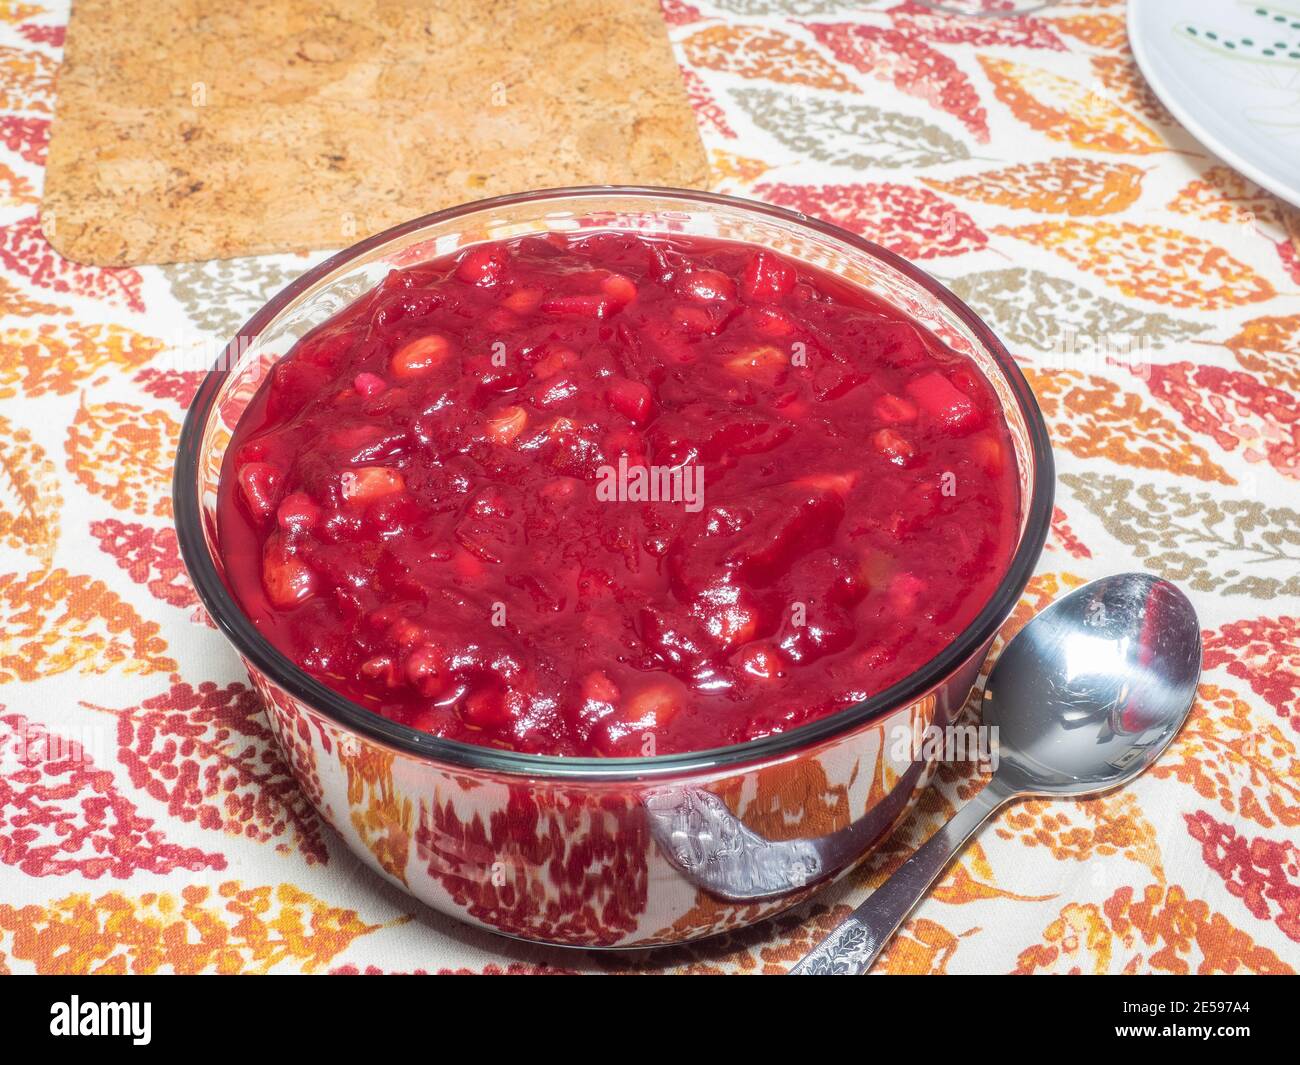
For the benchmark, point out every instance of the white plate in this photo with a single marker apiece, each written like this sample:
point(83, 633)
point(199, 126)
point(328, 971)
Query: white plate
point(1229, 70)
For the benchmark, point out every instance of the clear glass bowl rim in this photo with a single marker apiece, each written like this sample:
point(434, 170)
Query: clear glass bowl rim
point(278, 669)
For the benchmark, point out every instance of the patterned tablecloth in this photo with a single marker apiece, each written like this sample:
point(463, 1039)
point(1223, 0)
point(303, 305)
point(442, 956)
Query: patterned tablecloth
point(146, 821)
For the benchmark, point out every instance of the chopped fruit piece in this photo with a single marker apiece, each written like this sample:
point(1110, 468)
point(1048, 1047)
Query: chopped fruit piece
point(420, 356)
point(525, 300)
point(766, 365)
point(894, 410)
point(507, 425)
point(554, 391)
point(259, 482)
point(989, 451)
point(692, 320)
point(380, 667)
point(484, 265)
point(893, 446)
point(369, 384)
point(486, 708)
point(759, 661)
point(557, 358)
point(418, 509)
point(839, 483)
point(286, 578)
point(651, 708)
point(905, 592)
point(773, 322)
point(632, 399)
point(936, 395)
point(875, 569)
point(426, 670)
point(707, 285)
point(370, 483)
point(766, 278)
point(598, 687)
point(619, 287)
point(297, 512)
point(731, 623)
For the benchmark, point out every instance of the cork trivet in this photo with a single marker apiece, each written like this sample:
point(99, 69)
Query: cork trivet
point(201, 129)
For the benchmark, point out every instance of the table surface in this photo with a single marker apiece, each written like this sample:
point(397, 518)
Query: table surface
point(145, 823)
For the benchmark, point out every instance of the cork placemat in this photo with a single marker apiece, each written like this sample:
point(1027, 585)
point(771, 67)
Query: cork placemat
point(199, 129)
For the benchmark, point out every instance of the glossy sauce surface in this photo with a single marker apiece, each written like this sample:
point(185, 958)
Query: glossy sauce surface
point(616, 495)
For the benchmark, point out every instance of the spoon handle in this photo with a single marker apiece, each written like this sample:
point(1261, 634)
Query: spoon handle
point(854, 944)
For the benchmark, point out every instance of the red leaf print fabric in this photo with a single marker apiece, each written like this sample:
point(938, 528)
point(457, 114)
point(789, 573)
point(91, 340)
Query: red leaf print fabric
point(60, 814)
point(912, 222)
point(1263, 873)
point(1024, 31)
point(1265, 652)
point(180, 837)
point(705, 106)
point(25, 251)
point(177, 385)
point(207, 753)
point(910, 64)
point(150, 557)
point(1236, 409)
point(29, 137)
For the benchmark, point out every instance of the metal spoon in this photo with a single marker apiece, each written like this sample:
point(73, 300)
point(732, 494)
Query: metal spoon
point(1085, 697)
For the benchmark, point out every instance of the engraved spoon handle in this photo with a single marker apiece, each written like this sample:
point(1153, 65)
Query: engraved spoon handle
point(854, 944)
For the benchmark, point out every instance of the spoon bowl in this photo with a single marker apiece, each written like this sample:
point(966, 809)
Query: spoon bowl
point(1095, 687)
point(1085, 697)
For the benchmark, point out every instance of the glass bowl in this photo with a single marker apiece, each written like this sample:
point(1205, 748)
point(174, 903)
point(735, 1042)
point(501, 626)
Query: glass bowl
point(604, 852)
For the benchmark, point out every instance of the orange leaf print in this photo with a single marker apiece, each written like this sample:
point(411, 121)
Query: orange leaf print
point(735, 168)
point(55, 357)
point(1086, 829)
point(1223, 195)
point(1232, 756)
point(1069, 112)
point(1151, 262)
point(15, 190)
point(234, 930)
point(26, 80)
point(51, 623)
point(1100, 31)
point(968, 881)
point(1058, 186)
point(1160, 929)
point(1092, 418)
point(920, 948)
point(123, 453)
point(19, 305)
point(1118, 77)
point(12, 11)
point(380, 817)
point(1269, 347)
point(759, 52)
point(30, 500)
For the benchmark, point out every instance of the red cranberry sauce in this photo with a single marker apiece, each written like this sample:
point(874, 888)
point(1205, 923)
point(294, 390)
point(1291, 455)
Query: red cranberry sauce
point(455, 503)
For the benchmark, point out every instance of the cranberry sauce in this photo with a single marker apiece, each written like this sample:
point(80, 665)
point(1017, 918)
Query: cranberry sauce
point(617, 495)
